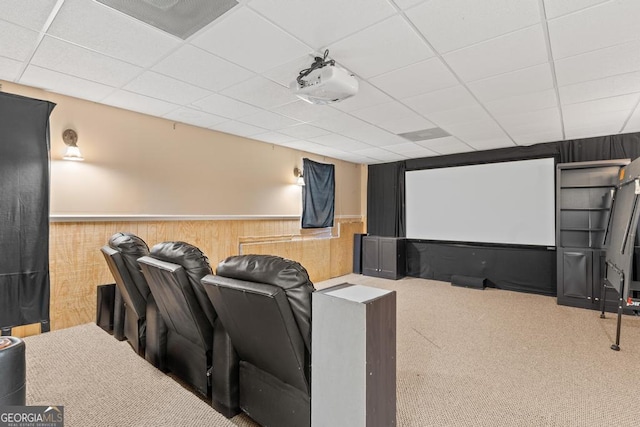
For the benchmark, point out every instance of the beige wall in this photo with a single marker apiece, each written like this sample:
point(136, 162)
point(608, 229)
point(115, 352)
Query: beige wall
point(142, 165)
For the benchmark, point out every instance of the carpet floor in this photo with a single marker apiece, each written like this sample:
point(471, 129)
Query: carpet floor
point(466, 357)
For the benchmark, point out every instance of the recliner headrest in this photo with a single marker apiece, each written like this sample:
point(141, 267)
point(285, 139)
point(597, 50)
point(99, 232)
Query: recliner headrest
point(269, 269)
point(132, 247)
point(129, 244)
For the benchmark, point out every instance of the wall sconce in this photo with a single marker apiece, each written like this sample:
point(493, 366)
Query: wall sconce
point(70, 138)
point(299, 177)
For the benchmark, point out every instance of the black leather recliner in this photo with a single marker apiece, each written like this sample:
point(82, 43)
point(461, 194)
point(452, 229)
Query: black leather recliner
point(196, 348)
point(122, 253)
point(13, 372)
point(264, 303)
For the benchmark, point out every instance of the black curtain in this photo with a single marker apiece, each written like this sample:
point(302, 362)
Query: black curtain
point(625, 146)
point(385, 199)
point(318, 194)
point(24, 211)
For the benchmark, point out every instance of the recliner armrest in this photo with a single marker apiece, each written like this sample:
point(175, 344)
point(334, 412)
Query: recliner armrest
point(156, 344)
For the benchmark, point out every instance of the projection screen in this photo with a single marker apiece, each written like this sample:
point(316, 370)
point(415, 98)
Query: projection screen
point(503, 203)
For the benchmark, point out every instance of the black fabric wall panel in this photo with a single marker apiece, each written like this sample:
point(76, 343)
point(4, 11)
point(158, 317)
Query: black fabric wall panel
point(24, 210)
point(519, 269)
point(318, 194)
point(385, 200)
point(625, 146)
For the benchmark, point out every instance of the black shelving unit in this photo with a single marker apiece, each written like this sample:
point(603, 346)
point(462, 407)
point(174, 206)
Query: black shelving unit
point(584, 194)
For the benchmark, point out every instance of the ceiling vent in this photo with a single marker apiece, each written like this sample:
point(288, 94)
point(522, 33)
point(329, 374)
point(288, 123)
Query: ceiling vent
point(182, 18)
point(424, 134)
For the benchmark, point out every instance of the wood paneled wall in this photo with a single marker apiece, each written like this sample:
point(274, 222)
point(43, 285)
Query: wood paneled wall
point(77, 266)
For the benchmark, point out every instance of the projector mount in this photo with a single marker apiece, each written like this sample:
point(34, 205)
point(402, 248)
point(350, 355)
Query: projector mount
point(318, 62)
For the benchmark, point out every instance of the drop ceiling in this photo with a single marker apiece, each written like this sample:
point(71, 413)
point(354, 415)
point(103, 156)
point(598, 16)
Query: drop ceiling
point(489, 74)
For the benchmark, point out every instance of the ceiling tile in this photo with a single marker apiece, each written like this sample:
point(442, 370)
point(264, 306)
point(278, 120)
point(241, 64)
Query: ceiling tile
point(306, 112)
point(321, 23)
point(331, 152)
point(547, 120)
point(194, 117)
point(358, 159)
point(419, 152)
point(425, 76)
point(225, 107)
point(481, 134)
point(598, 117)
point(514, 51)
point(260, 92)
point(9, 69)
point(466, 114)
point(268, 120)
point(304, 131)
point(31, 14)
point(274, 137)
point(555, 8)
point(381, 48)
point(367, 96)
point(394, 117)
point(453, 24)
point(105, 30)
point(605, 25)
point(310, 147)
point(491, 143)
point(446, 145)
point(140, 103)
point(590, 111)
point(200, 68)
point(340, 142)
point(523, 103)
point(286, 73)
point(339, 123)
point(601, 88)
point(601, 63)
point(166, 88)
point(406, 4)
point(532, 79)
point(251, 41)
point(405, 147)
point(64, 84)
point(237, 128)
point(358, 129)
point(66, 58)
point(441, 100)
point(633, 125)
point(22, 41)
point(608, 123)
point(410, 123)
point(538, 138)
point(380, 154)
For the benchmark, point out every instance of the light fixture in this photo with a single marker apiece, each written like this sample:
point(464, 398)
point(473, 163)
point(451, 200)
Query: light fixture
point(299, 177)
point(70, 138)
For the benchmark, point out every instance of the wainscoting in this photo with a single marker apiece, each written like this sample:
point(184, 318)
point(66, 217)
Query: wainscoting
point(77, 266)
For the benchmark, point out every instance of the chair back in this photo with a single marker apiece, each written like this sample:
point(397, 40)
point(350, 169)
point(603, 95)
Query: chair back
point(121, 254)
point(173, 271)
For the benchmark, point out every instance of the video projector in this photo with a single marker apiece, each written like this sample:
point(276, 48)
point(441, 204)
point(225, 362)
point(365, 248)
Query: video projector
point(324, 84)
